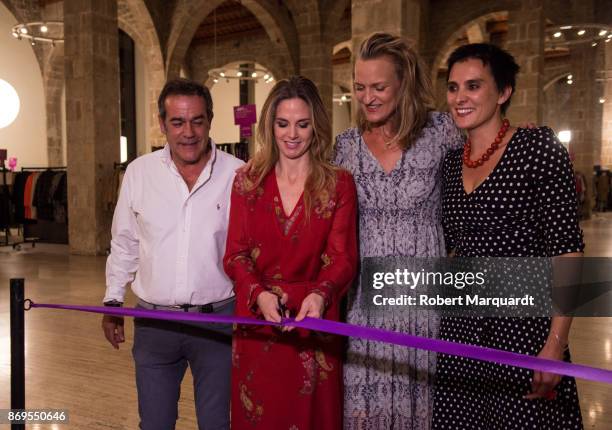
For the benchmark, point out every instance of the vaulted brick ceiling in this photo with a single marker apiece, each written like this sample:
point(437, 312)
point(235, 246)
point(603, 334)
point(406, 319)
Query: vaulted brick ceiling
point(233, 21)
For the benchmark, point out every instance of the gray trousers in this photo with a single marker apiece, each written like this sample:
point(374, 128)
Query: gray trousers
point(163, 350)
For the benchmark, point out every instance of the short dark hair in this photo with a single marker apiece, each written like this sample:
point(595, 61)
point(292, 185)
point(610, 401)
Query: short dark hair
point(502, 64)
point(184, 87)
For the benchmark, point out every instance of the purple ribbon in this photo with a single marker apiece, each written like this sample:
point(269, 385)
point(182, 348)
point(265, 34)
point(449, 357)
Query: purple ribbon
point(343, 329)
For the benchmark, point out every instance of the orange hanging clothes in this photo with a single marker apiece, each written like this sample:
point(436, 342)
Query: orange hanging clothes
point(27, 196)
point(36, 177)
point(289, 380)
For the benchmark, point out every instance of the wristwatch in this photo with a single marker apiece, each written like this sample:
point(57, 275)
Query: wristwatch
point(113, 303)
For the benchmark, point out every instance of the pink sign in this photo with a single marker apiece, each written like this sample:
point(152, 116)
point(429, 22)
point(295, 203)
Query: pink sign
point(245, 114)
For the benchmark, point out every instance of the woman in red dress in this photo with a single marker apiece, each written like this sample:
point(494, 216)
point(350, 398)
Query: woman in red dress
point(291, 249)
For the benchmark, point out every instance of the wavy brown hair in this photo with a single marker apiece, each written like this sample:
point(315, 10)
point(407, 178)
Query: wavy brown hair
point(416, 98)
point(322, 175)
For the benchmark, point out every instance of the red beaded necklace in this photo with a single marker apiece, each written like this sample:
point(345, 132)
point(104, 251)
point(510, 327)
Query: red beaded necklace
point(467, 148)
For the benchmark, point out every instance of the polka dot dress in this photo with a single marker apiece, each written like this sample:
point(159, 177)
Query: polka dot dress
point(526, 207)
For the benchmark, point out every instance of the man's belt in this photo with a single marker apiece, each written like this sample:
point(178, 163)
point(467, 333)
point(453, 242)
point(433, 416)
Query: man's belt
point(205, 309)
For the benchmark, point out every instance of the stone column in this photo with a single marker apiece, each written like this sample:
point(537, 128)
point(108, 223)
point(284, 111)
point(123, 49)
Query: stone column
point(247, 96)
point(315, 50)
point(401, 17)
point(606, 129)
point(53, 78)
point(92, 119)
point(526, 43)
point(54, 85)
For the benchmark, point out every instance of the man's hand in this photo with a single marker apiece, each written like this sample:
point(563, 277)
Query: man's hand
point(113, 330)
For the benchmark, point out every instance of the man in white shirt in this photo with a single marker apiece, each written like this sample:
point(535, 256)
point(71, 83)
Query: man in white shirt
point(168, 240)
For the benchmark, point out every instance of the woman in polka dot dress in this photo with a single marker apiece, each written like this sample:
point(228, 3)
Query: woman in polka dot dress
point(508, 193)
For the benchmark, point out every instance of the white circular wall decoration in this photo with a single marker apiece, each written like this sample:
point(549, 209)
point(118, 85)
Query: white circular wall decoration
point(9, 104)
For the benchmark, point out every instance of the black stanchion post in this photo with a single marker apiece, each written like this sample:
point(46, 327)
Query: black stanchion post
point(17, 349)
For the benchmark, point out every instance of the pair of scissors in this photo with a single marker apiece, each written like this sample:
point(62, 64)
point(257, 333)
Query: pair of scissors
point(284, 312)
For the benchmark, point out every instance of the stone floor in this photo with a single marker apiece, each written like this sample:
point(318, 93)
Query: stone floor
point(69, 365)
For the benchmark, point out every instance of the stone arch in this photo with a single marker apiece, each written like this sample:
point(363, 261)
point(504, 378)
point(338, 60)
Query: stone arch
point(51, 63)
point(348, 44)
point(551, 80)
point(342, 74)
point(190, 14)
point(9, 5)
point(447, 46)
point(134, 18)
point(332, 16)
point(450, 12)
point(27, 11)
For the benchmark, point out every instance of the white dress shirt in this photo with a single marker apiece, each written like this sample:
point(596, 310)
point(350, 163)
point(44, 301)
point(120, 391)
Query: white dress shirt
point(169, 241)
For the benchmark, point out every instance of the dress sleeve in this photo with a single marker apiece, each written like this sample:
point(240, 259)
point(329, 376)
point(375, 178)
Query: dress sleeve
point(452, 137)
point(556, 194)
point(341, 255)
point(338, 152)
point(238, 262)
point(343, 149)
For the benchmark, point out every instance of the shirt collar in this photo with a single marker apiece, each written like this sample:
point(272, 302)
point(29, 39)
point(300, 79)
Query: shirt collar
point(166, 158)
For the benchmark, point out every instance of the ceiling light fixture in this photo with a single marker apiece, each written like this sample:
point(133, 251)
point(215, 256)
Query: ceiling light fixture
point(563, 36)
point(341, 98)
point(37, 31)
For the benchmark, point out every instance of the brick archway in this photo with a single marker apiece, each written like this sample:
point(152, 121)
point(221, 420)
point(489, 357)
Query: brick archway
point(134, 19)
point(189, 14)
point(550, 80)
point(450, 15)
point(447, 46)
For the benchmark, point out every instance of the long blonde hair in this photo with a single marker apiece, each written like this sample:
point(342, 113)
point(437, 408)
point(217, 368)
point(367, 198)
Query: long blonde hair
point(415, 99)
point(322, 175)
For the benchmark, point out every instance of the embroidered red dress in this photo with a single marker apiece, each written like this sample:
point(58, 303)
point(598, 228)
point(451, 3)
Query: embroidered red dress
point(289, 380)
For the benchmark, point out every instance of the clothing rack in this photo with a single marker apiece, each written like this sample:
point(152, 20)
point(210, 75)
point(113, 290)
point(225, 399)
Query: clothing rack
point(237, 149)
point(43, 229)
point(42, 169)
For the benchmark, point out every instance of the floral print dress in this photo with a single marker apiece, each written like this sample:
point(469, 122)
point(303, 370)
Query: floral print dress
point(289, 380)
